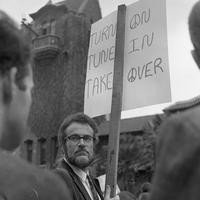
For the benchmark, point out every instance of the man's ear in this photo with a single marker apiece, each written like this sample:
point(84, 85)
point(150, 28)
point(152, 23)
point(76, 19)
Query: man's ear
point(196, 57)
point(8, 86)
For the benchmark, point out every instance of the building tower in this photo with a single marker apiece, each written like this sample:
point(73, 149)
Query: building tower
point(60, 40)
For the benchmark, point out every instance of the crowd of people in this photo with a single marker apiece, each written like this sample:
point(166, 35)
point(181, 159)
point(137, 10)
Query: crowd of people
point(177, 158)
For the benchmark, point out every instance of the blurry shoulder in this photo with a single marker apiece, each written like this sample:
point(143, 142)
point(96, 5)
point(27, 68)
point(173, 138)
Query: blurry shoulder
point(17, 172)
point(185, 118)
point(10, 162)
point(178, 127)
point(16, 165)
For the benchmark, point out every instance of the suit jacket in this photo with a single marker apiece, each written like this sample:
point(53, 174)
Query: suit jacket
point(20, 180)
point(74, 183)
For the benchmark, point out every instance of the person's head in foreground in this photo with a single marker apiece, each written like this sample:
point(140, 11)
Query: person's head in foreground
point(177, 175)
point(19, 180)
point(77, 137)
point(15, 83)
point(194, 29)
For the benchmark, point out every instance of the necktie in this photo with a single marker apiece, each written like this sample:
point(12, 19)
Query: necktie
point(92, 187)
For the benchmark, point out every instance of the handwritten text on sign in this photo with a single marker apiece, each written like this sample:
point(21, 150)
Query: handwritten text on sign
point(146, 72)
point(146, 78)
point(100, 65)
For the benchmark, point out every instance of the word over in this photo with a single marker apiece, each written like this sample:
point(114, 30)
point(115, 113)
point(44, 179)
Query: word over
point(147, 70)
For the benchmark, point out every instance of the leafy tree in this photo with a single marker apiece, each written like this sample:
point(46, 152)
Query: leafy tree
point(136, 156)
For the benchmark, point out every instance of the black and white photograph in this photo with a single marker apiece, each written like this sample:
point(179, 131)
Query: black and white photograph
point(99, 99)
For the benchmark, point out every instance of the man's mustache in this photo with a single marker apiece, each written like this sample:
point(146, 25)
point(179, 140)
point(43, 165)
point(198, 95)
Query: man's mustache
point(81, 151)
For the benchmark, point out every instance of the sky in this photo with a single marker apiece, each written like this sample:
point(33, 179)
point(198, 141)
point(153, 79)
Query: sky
point(184, 74)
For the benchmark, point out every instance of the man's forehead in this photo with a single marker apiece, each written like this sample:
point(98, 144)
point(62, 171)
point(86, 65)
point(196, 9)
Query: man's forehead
point(76, 126)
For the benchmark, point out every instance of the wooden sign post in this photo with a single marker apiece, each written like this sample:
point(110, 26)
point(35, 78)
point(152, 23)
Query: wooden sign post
point(114, 129)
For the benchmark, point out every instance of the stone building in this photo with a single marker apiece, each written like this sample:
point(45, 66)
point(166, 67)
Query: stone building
point(60, 36)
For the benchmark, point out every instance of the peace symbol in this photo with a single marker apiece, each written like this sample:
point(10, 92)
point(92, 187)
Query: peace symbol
point(135, 21)
point(132, 74)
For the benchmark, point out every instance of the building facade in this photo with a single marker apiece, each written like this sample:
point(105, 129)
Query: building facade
point(60, 38)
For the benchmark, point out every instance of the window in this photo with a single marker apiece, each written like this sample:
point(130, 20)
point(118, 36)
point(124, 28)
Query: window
point(42, 151)
point(53, 27)
point(29, 150)
point(48, 27)
point(44, 31)
point(44, 28)
point(54, 148)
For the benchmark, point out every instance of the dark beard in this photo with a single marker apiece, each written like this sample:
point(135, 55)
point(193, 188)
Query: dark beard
point(80, 165)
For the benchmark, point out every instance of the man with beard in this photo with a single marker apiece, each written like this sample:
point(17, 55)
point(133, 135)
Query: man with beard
point(19, 180)
point(77, 137)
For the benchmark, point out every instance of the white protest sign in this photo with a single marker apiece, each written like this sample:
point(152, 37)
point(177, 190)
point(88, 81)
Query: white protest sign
point(100, 65)
point(146, 71)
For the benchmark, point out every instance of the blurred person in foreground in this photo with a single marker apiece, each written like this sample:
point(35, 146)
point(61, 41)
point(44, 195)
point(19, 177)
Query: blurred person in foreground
point(78, 138)
point(18, 179)
point(177, 174)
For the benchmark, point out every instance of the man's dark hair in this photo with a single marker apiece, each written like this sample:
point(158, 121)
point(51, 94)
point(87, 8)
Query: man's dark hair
point(14, 50)
point(78, 118)
point(194, 29)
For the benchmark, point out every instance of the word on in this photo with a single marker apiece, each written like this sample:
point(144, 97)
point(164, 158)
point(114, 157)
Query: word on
point(139, 19)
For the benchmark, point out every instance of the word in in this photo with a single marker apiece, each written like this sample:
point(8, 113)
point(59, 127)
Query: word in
point(138, 44)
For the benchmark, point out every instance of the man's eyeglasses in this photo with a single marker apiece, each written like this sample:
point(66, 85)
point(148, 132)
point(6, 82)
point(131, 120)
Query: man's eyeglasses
point(77, 138)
